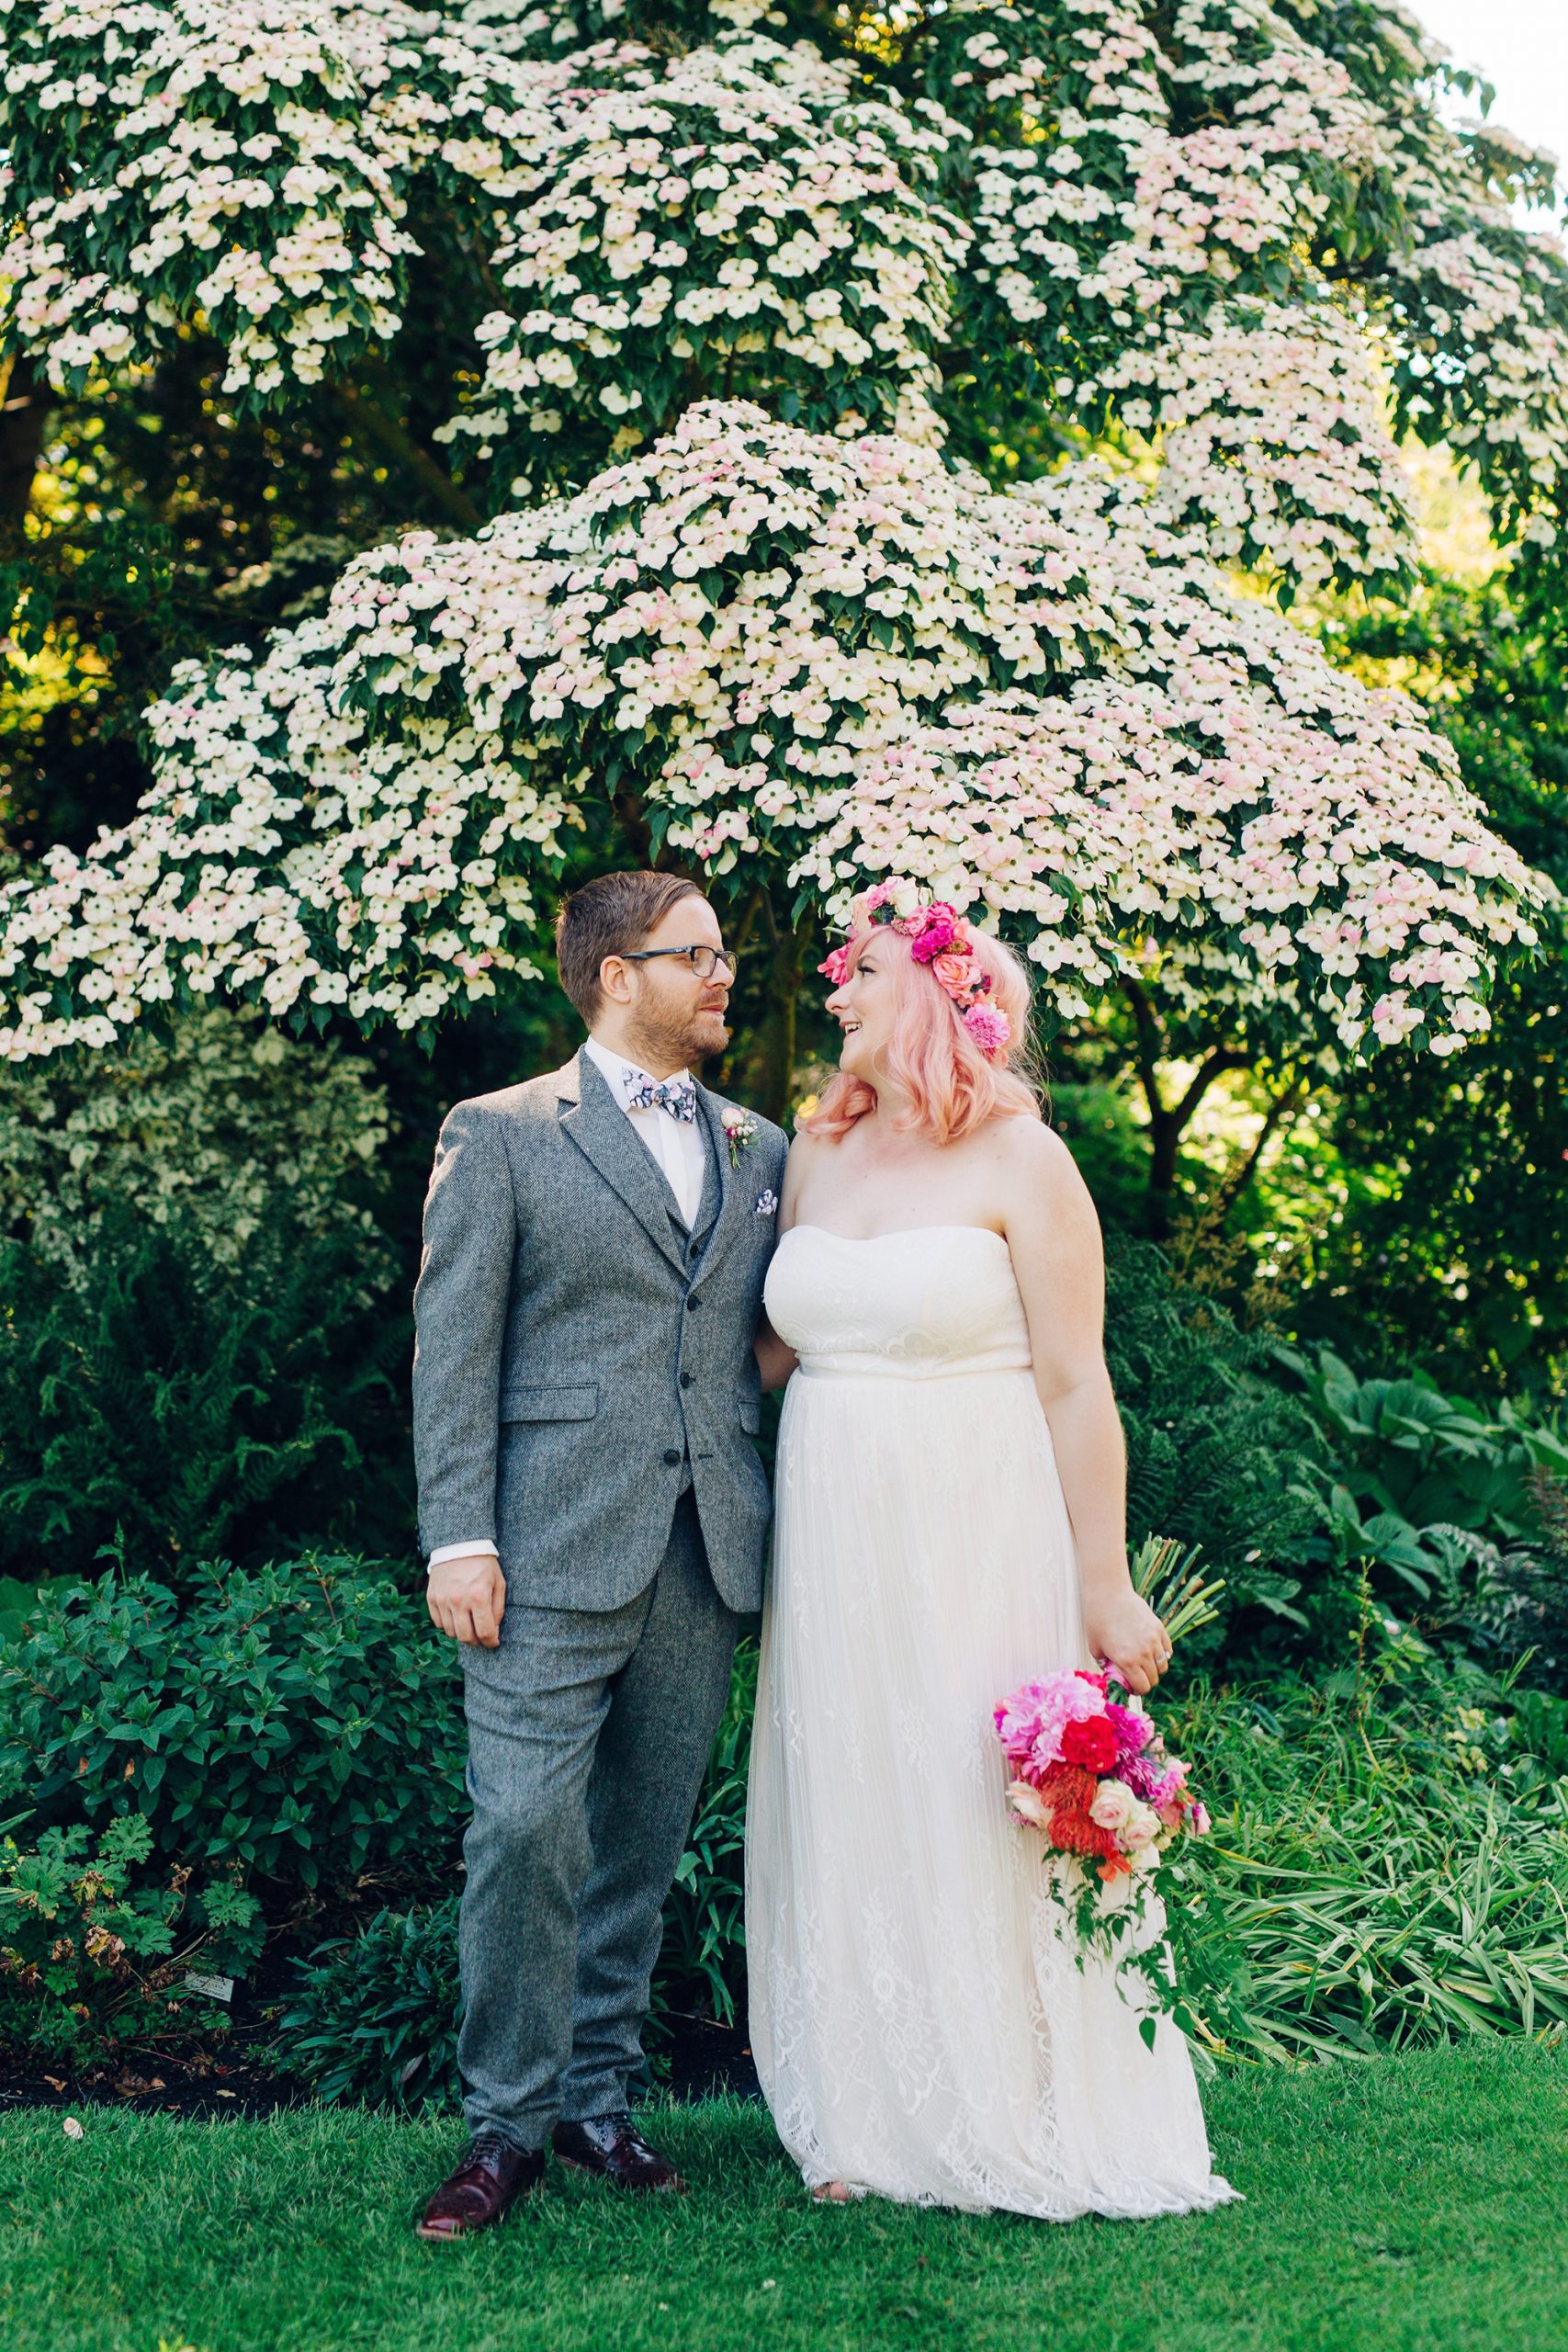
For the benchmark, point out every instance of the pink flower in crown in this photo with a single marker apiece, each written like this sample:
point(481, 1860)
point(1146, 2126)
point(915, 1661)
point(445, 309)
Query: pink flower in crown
point(880, 895)
point(932, 931)
point(837, 966)
point(990, 1028)
point(951, 971)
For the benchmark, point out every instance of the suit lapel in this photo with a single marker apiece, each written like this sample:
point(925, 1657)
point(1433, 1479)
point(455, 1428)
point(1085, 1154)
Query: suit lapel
point(713, 1180)
point(732, 1184)
point(591, 1115)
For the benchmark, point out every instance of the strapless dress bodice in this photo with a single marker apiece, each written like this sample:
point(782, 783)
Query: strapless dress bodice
point(930, 1302)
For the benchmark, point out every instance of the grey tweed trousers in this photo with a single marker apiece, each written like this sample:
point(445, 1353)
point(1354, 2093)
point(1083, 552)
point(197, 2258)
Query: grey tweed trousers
point(583, 1779)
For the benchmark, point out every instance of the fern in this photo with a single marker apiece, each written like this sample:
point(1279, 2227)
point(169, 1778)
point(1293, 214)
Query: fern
point(174, 1408)
point(1219, 1454)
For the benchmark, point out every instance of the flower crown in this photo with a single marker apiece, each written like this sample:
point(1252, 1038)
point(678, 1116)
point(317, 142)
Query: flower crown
point(941, 940)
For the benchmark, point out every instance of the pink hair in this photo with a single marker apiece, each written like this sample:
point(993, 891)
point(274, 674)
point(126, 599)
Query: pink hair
point(932, 1058)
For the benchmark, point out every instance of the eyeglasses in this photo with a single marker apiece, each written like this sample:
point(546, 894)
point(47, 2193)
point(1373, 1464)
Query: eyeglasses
point(703, 961)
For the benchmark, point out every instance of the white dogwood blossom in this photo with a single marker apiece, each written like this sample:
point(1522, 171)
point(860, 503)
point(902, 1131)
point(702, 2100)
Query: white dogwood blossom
point(247, 161)
point(1274, 441)
point(736, 301)
point(742, 199)
point(1188, 216)
point(845, 656)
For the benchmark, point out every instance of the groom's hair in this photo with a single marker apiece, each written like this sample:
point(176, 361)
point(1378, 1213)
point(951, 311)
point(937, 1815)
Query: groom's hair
point(610, 916)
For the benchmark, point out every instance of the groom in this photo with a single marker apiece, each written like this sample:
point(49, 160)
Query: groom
point(585, 1396)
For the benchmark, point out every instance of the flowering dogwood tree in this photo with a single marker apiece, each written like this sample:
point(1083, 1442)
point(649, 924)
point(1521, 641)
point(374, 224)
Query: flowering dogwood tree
point(751, 314)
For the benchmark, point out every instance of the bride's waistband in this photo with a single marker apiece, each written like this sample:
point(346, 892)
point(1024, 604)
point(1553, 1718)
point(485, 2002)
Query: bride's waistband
point(889, 1368)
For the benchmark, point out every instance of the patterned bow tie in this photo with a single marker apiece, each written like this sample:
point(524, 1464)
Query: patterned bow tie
point(676, 1095)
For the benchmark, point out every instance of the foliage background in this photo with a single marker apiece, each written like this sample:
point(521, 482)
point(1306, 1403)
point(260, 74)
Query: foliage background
point(1338, 1304)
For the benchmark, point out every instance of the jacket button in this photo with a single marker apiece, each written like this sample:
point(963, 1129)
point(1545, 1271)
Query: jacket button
point(687, 1378)
point(671, 1456)
point(693, 1305)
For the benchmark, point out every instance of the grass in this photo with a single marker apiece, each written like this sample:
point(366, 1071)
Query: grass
point(1413, 2204)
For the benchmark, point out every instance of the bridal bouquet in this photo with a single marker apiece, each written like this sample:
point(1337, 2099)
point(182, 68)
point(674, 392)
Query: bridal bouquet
point(1093, 1777)
point(1091, 1771)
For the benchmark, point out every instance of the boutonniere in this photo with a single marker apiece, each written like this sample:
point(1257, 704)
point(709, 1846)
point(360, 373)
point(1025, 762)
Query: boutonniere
point(740, 1133)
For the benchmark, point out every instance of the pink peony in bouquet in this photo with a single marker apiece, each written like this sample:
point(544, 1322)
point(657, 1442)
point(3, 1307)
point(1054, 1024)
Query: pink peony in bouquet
point(1091, 1773)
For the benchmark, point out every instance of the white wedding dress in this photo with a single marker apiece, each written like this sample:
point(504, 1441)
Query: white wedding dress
point(919, 2026)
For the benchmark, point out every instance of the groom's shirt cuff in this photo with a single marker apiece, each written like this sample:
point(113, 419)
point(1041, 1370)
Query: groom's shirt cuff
point(458, 1550)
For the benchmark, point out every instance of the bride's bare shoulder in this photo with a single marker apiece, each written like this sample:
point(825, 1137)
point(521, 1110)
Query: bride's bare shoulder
point(805, 1155)
point(1035, 1149)
point(805, 1149)
point(1039, 1172)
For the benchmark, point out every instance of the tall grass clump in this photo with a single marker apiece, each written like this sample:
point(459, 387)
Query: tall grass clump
point(1384, 1870)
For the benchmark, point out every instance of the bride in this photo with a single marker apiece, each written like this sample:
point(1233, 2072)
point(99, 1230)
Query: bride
point(951, 1491)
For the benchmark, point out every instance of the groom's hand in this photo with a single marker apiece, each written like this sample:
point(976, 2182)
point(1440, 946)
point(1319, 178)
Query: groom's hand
point(467, 1598)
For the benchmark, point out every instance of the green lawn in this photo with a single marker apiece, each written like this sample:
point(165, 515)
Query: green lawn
point(1416, 2204)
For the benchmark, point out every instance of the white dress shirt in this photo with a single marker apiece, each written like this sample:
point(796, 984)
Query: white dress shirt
point(677, 1147)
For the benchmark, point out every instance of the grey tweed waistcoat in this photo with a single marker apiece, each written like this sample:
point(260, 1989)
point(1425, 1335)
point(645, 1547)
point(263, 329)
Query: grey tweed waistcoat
point(579, 1354)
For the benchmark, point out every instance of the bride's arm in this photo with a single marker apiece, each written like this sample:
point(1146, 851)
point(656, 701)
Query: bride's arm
point(776, 1359)
point(1059, 1260)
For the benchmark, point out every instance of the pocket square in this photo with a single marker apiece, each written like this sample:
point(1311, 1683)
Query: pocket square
point(767, 1204)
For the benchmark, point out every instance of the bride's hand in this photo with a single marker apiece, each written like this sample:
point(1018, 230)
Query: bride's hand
point(1125, 1632)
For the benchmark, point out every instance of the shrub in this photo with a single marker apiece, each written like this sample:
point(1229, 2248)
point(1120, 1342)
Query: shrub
point(178, 1410)
point(82, 1944)
point(1387, 1867)
point(1219, 1453)
point(1521, 1606)
point(375, 2016)
point(301, 1724)
point(1444, 1507)
point(204, 1127)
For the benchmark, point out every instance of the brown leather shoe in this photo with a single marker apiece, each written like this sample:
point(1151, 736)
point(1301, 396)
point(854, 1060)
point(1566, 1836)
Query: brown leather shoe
point(491, 2176)
point(611, 2146)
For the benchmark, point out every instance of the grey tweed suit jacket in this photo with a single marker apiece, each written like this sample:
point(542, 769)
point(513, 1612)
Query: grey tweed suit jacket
point(579, 1353)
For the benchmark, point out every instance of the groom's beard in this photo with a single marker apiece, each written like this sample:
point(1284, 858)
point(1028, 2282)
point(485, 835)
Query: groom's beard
point(682, 1042)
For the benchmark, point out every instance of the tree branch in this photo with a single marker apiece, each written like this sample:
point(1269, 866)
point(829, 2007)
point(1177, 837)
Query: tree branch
point(393, 439)
point(1236, 1184)
point(1213, 1065)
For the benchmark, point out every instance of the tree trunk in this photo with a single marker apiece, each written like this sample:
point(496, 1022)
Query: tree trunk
point(1169, 1122)
point(769, 1066)
point(24, 410)
point(383, 432)
point(1165, 1144)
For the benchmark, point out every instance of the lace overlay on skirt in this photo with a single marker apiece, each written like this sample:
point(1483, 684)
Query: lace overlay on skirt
point(919, 2026)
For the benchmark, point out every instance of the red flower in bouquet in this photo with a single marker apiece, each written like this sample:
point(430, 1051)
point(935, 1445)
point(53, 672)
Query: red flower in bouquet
point(1093, 1776)
point(1091, 1743)
point(1069, 1785)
